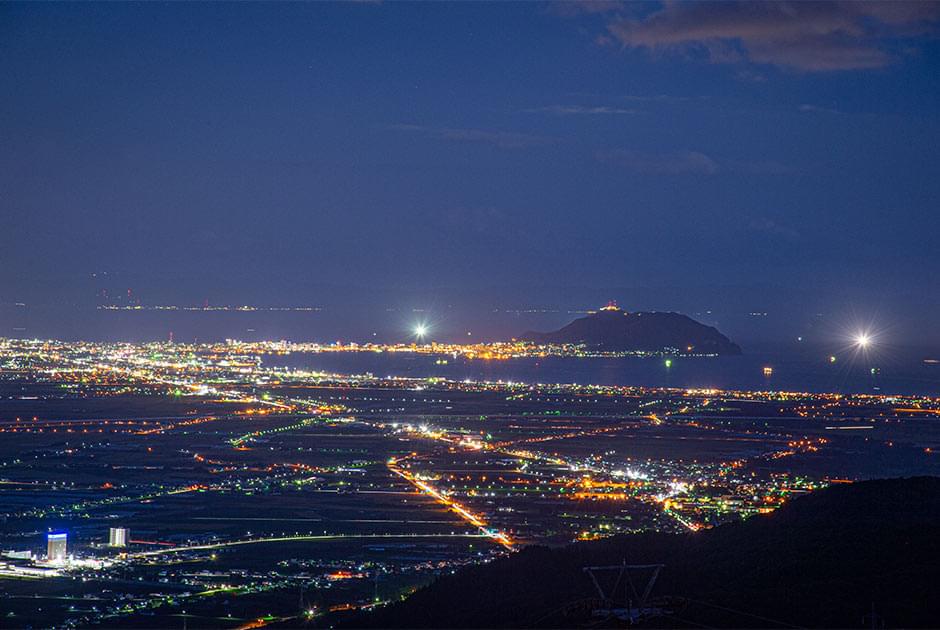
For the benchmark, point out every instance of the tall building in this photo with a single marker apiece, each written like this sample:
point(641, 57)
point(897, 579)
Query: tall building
point(56, 547)
point(117, 537)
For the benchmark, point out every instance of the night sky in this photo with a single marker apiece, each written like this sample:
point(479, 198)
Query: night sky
point(266, 153)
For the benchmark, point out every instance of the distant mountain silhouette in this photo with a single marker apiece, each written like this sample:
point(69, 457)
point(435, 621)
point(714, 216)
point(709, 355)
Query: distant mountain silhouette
point(612, 329)
point(834, 558)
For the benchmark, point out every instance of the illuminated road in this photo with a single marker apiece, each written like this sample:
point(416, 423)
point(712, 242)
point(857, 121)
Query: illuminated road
point(252, 541)
point(458, 509)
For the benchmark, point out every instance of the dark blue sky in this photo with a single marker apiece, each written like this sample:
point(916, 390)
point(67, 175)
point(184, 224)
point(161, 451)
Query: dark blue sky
point(250, 152)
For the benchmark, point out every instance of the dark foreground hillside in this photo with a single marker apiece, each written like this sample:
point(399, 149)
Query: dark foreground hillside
point(825, 560)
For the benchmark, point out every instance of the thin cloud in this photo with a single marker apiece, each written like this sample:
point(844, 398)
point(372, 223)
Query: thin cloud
point(764, 225)
point(805, 36)
point(574, 110)
point(809, 108)
point(657, 98)
point(501, 139)
point(756, 167)
point(673, 163)
point(686, 161)
point(750, 76)
point(572, 8)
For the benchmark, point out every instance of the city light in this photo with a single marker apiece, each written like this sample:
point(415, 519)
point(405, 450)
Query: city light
point(346, 349)
point(261, 426)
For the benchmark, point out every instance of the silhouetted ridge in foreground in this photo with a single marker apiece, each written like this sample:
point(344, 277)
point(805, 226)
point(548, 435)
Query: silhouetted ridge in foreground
point(825, 560)
point(612, 329)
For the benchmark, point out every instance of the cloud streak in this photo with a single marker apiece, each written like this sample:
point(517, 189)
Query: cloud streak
point(686, 162)
point(574, 110)
point(673, 163)
point(818, 109)
point(572, 8)
point(804, 36)
point(764, 225)
point(501, 139)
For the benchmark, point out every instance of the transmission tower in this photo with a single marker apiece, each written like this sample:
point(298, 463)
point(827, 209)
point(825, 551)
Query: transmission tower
point(634, 604)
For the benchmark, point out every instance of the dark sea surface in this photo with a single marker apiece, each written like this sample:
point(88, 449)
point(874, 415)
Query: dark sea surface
point(807, 370)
